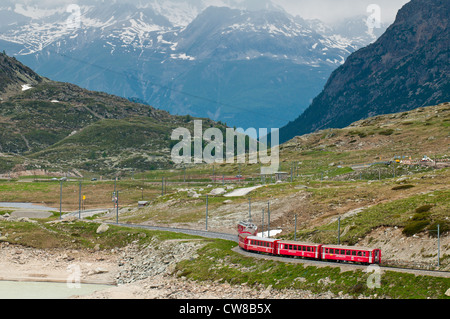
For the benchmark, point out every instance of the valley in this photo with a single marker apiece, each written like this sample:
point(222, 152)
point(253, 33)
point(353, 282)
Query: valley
point(375, 210)
point(98, 102)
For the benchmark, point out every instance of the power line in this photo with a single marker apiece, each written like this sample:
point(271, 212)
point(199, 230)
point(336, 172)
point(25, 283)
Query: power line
point(168, 88)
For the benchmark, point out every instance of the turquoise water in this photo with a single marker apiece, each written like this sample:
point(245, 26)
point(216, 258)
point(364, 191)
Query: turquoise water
point(45, 290)
point(25, 206)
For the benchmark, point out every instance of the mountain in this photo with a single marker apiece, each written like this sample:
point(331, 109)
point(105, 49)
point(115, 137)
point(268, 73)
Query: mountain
point(15, 76)
point(59, 126)
point(406, 68)
point(237, 61)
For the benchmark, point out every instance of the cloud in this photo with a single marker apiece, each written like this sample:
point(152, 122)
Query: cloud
point(335, 10)
point(325, 10)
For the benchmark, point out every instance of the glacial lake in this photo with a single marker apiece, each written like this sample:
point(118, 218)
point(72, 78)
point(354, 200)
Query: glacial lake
point(26, 206)
point(45, 290)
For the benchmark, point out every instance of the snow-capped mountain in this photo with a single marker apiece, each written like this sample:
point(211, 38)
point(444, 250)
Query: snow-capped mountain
point(238, 61)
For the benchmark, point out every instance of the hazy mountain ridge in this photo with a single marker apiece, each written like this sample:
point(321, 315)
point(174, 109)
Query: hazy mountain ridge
point(406, 68)
point(228, 62)
point(60, 125)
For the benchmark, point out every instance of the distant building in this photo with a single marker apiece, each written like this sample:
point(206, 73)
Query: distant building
point(281, 176)
point(142, 203)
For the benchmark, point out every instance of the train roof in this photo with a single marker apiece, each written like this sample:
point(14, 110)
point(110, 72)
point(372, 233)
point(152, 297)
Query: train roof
point(347, 247)
point(262, 239)
point(293, 242)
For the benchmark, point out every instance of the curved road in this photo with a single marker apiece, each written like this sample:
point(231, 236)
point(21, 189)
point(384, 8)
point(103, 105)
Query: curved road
point(207, 234)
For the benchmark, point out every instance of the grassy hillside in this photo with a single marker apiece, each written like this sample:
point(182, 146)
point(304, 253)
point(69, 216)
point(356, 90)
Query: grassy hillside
point(392, 206)
point(59, 126)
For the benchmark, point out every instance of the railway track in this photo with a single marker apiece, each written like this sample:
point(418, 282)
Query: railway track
point(201, 233)
point(231, 237)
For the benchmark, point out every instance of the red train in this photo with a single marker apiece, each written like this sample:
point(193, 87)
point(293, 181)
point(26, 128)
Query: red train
point(279, 247)
point(247, 228)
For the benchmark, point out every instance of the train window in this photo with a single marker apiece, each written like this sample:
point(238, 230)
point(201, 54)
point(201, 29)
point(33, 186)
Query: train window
point(353, 253)
point(347, 252)
point(332, 251)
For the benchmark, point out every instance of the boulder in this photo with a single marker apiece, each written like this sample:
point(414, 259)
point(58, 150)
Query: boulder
point(102, 228)
point(217, 191)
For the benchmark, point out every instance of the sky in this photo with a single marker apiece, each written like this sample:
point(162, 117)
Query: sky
point(325, 10)
point(334, 10)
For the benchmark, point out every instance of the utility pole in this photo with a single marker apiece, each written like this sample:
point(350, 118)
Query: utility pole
point(207, 212)
point(268, 221)
point(439, 247)
point(262, 223)
point(117, 208)
point(339, 230)
point(60, 199)
point(79, 203)
point(295, 232)
point(250, 209)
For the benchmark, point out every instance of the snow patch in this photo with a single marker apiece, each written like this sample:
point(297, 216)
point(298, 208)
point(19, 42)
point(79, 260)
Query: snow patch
point(182, 56)
point(26, 87)
point(272, 233)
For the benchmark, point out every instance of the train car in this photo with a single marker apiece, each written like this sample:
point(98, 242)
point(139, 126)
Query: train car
point(262, 245)
point(243, 240)
point(298, 249)
point(351, 253)
point(247, 228)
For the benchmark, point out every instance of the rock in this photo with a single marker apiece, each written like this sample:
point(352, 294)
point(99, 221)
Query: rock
point(3, 238)
point(217, 191)
point(100, 270)
point(102, 228)
point(69, 219)
point(25, 220)
point(447, 293)
point(192, 193)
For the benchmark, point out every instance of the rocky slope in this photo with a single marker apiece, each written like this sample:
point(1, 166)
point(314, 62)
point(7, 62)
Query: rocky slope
point(233, 61)
point(50, 125)
point(406, 68)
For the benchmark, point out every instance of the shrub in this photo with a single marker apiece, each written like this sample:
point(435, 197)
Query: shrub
point(443, 227)
point(387, 132)
point(395, 188)
point(415, 227)
point(423, 209)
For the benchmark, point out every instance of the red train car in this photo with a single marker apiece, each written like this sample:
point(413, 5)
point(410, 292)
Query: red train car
point(350, 253)
point(247, 228)
point(298, 249)
point(262, 245)
point(307, 250)
point(243, 241)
